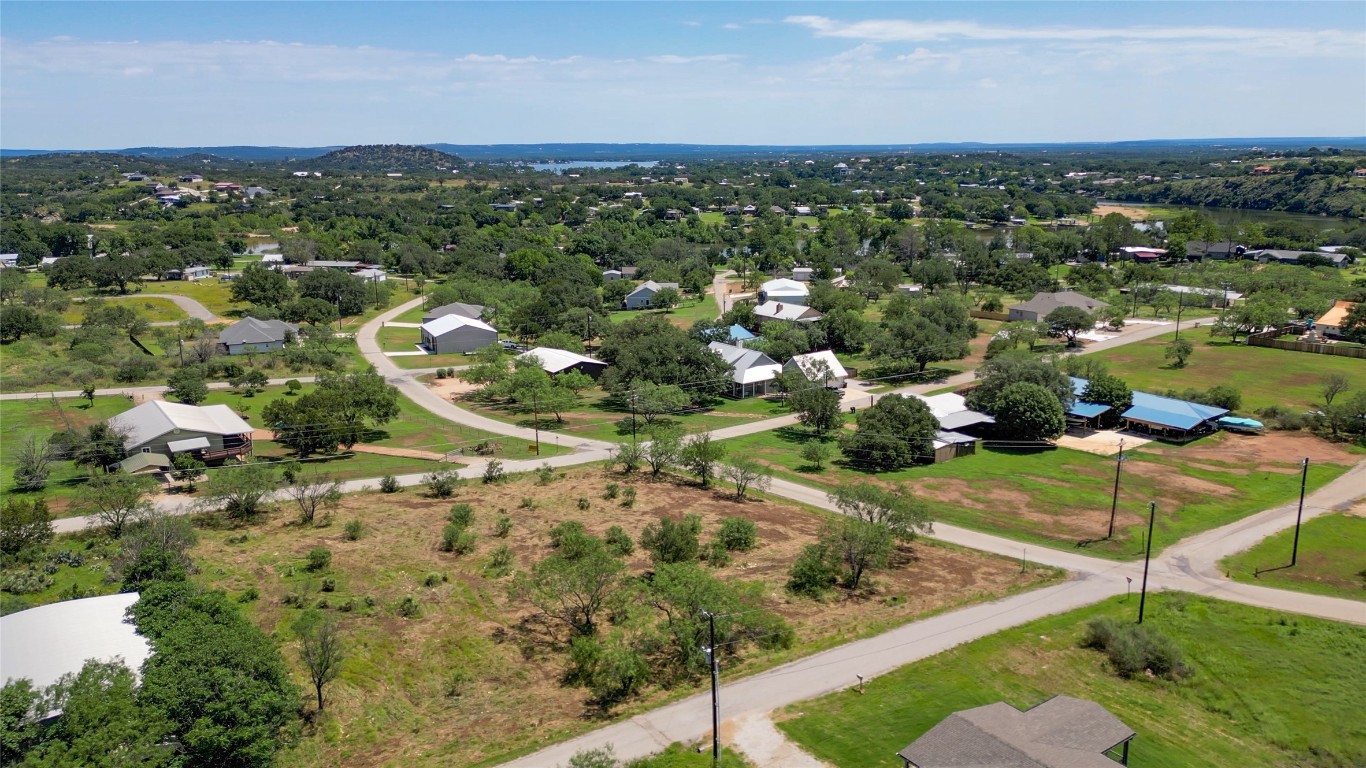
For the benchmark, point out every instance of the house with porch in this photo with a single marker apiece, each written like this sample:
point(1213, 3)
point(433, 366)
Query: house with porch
point(753, 372)
point(157, 430)
point(643, 295)
point(819, 365)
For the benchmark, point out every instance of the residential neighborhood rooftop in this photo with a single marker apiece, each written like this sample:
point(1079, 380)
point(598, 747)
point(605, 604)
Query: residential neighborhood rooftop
point(157, 417)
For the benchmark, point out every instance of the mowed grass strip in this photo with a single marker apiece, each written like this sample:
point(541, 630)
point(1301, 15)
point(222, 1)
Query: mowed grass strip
point(1332, 558)
point(1061, 498)
point(1265, 376)
point(1267, 689)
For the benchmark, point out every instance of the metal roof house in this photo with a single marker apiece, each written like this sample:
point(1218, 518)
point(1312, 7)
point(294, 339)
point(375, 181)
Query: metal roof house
point(785, 290)
point(815, 364)
point(42, 644)
point(475, 311)
point(753, 372)
point(1062, 732)
point(250, 335)
point(1163, 417)
point(193, 272)
point(1330, 324)
point(456, 333)
point(794, 313)
point(644, 294)
point(208, 432)
point(555, 361)
point(950, 409)
point(1044, 302)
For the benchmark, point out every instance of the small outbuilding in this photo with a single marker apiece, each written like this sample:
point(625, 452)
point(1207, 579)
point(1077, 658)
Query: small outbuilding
point(556, 361)
point(1330, 324)
point(1062, 732)
point(453, 334)
point(249, 335)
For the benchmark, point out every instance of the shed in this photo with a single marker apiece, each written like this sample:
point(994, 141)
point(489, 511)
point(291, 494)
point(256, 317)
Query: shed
point(950, 445)
point(456, 333)
point(814, 365)
point(803, 274)
point(250, 335)
point(952, 411)
point(1062, 732)
point(753, 372)
point(557, 361)
point(608, 275)
point(162, 427)
point(1330, 324)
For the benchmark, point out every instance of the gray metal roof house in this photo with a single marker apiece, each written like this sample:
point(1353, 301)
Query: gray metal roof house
point(209, 432)
point(450, 334)
point(1044, 302)
point(475, 311)
point(1062, 732)
point(752, 372)
point(250, 335)
point(644, 294)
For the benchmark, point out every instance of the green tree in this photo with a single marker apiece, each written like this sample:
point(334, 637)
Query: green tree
point(573, 585)
point(858, 546)
point(32, 464)
point(1009, 368)
point(313, 492)
point(262, 286)
point(1333, 385)
point(345, 292)
point(239, 490)
point(700, 455)
point(1027, 411)
point(1105, 389)
point(187, 385)
point(673, 541)
point(664, 449)
point(219, 681)
point(186, 469)
point(666, 297)
point(102, 723)
point(1178, 352)
point(817, 408)
point(1354, 324)
point(322, 650)
point(651, 400)
point(816, 453)
point(650, 349)
point(490, 367)
point(892, 434)
point(746, 473)
point(25, 524)
point(903, 514)
point(117, 499)
point(1069, 321)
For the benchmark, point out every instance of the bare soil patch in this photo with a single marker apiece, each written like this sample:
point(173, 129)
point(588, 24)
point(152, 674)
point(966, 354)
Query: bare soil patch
point(1128, 211)
point(458, 684)
point(1266, 452)
point(1172, 481)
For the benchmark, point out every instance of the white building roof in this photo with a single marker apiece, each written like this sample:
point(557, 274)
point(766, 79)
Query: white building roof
point(447, 323)
point(652, 287)
point(782, 287)
point(556, 360)
point(751, 366)
point(44, 643)
point(155, 418)
point(777, 310)
point(807, 362)
point(952, 412)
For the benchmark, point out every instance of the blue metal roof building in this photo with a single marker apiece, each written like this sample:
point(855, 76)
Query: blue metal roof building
point(1164, 416)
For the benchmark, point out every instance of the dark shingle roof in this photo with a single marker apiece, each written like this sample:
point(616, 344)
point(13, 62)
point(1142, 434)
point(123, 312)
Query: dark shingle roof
point(1044, 302)
point(249, 330)
point(1062, 732)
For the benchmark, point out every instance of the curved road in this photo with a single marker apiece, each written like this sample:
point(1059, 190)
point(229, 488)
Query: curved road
point(187, 305)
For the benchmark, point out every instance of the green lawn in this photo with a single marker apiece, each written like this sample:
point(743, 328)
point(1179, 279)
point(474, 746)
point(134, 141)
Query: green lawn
point(596, 417)
point(1061, 498)
point(41, 418)
point(1332, 558)
point(1265, 376)
point(398, 339)
point(1267, 689)
point(683, 315)
point(212, 293)
point(153, 310)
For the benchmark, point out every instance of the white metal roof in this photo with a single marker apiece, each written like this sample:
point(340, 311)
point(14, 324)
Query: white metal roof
point(751, 366)
point(556, 360)
point(652, 287)
point(806, 362)
point(447, 323)
point(46, 642)
point(785, 287)
point(191, 444)
point(155, 418)
point(777, 310)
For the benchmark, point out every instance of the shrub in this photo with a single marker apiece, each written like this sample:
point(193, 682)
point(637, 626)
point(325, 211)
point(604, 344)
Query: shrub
point(618, 542)
point(628, 497)
point(812, 572)
point(347, 606)
point(441, 373)
point(441, 483)
point(461, 515)
point(816, 453)
point(454, 538)
point(319, 558)
point(389, 484)
point(584, 503)
point(293, 386)
point(329, 584)
point(249, 594)
point(24, 582)
point(293, 600)
point(1134, 649)
point(717, 555)
point(410, 608)
point(494, 472)
point(433, 579)
point(369, 601)
point(353, 530)
point(545, 475)
point(322, 604)
point(737, 534)
point(500, 562)
point(672, 541)
point(567, 532)
point(503, 527)
point(610, 492)
point(527, 503)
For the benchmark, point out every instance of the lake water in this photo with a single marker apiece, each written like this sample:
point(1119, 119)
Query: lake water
point(562, 166)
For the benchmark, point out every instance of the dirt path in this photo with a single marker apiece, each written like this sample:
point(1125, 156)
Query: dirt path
point(407, 453)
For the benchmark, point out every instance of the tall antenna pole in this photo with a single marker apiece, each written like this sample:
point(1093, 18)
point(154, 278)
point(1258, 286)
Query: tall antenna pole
point(1304, 477)
point(1148, 555)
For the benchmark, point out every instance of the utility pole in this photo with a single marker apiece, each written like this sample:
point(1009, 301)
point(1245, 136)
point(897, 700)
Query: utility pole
point(715, 691)
point(536, 419)
point(1180, 296)
point(1147, 556)
point(1304, 478)
point(1114, 500)
point(633, 417)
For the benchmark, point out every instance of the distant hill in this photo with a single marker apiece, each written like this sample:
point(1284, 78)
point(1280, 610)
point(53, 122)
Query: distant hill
point(385, 157)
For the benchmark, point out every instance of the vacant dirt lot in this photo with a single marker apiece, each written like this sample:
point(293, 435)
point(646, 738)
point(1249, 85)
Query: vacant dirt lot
point(459, 685)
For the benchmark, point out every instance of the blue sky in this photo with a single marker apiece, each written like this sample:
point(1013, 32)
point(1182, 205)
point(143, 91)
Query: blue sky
point(113, 74)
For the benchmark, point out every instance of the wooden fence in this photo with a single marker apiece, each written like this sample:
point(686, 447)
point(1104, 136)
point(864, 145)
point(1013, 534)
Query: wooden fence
point(981, 315)
point(1268, 338)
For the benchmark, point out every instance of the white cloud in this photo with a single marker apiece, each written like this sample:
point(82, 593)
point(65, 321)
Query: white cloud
point(1256, 40)
point(710, 58)
point(732, 25)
